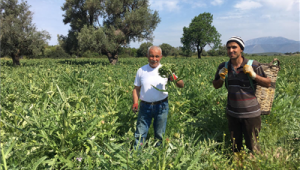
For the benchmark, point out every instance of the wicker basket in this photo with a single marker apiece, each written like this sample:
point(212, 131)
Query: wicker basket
point(265, 95)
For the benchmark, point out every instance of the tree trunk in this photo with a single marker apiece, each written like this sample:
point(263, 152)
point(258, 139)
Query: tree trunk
point(113, 58)
point(199, 52)
point(16, 58)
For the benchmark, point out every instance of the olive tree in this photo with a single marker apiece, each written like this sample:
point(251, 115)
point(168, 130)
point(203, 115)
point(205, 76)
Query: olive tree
point(18, 34)
point(200, 33)
point(77, 14)
point(105, 26)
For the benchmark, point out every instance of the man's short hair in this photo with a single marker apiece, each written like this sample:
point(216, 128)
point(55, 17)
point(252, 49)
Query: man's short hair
point(153, 46)
point(238, 40)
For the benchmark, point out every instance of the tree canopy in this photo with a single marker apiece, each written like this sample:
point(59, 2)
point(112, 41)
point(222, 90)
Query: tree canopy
point(142, 51)
point(200, 33)
point(167, 49)
point(105, 26)
point(18, 34)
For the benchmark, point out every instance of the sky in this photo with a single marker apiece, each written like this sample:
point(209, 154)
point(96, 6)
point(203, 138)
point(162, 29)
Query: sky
point(248, 19)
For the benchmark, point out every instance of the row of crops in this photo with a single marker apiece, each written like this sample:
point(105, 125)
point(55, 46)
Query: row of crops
point(76, 114)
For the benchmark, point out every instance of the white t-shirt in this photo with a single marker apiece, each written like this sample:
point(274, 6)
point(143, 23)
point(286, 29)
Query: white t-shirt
point(147, 76)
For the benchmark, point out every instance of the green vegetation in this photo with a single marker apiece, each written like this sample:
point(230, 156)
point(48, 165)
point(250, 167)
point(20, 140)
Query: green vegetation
point(76, 114)
point(142, 51)
point(166, 70)
point(18, 35)
point(200, 33)
point(266, 54)
point(105, 27)
point(167, 49)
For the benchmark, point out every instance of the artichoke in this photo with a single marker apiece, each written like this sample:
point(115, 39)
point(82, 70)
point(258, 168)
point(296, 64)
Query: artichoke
point(166, 70)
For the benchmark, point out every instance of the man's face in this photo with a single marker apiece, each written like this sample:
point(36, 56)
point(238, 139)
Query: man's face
point(234, 51)
point(154, 57)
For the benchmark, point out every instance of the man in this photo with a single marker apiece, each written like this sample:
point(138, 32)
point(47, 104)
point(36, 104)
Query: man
point(154, 103)
point(243, 110)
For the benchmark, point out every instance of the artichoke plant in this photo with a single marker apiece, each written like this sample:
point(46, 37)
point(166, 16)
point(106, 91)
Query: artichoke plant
point(166, 70)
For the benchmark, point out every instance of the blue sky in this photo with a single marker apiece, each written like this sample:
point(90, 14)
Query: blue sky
point(245, 18)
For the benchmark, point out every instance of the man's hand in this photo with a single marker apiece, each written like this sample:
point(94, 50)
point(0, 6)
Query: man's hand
point(249, 70)
point(135, 107)
point(222, 73)
point(171, 77)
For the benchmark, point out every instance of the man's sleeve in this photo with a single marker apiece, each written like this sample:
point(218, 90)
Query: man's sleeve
point(137, 80)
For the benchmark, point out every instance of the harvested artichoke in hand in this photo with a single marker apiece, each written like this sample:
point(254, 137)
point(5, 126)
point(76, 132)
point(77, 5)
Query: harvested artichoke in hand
point(166, 70)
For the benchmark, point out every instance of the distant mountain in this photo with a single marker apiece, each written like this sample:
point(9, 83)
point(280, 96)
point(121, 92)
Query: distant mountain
point(271, 44)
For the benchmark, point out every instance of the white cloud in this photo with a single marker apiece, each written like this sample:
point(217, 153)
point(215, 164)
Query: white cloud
point(197, 4)
point(194, 3)
point(247, 5)
point(286, 5)
point(269, 9)
point(217, 2)
point(175, 5)
point(267, 16)
point(170, 5)
point(230, 17)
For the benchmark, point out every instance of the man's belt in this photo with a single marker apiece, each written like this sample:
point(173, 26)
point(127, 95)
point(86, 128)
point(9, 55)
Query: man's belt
point(157, 102)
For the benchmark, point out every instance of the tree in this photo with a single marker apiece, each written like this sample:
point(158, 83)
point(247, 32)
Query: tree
point(212, 52)
point(142, 51)
point(200, 33)
point(19, 35)
point(184, 52)
point(132, 52)
point(222, 50)
point(175, 51)
point(122, 22)
point(79, 13)
point(55, 52)
point(167, 49)
point(204, 53)
point(127, 51)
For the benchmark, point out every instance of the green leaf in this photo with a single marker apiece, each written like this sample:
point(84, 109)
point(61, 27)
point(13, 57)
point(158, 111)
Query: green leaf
point(38, 162)
point(60, 93)
point(159, 89)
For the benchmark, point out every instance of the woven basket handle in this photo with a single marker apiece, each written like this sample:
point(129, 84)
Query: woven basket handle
point(274, 60)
